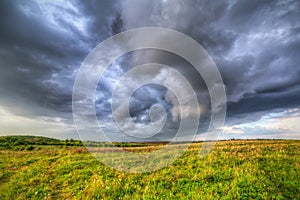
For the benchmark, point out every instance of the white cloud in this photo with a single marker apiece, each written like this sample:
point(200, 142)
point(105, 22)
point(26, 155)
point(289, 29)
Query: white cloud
point(12, 124)
point(279, 125)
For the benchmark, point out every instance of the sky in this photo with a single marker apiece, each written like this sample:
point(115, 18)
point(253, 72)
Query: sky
point(255, 44)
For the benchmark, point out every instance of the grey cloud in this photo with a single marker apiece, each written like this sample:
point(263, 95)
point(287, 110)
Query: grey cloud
point(255, 45)
point(42, 45)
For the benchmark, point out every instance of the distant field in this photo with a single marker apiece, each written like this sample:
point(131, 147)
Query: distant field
point(238, 169)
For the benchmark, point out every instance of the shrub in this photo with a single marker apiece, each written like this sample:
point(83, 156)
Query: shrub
point(29, 147)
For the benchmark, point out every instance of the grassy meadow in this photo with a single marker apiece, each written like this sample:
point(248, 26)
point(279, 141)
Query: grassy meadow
point(236, 169)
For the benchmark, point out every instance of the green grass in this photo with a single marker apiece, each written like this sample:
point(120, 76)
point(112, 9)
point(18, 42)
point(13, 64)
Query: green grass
point(252, 169)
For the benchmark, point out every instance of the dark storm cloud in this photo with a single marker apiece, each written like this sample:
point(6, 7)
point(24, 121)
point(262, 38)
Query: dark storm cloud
point(41, 47)
point(255, 45)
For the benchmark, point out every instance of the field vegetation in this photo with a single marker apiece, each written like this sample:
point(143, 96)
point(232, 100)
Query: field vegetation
point(236, 169)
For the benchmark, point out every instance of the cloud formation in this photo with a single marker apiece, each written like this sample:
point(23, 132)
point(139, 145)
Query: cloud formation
point(255, 45)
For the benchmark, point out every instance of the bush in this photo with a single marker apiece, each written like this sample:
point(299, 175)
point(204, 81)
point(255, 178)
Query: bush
point(29, 147)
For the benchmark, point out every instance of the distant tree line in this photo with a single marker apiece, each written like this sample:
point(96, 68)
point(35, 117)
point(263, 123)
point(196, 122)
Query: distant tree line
point(29, 142)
